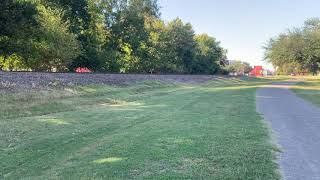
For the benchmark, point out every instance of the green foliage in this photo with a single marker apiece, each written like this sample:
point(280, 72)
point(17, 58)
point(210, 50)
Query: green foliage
point(76, 12)
point(17, 26)
point(208, 55)
point(37, 35)
point(129, 38)
point(297, 50)
point(181, 46)
point(56, 46)
point(125, 36)
point(12, 62)
point(239, 67)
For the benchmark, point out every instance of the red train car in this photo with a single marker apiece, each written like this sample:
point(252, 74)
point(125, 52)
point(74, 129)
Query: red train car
point(257, 71)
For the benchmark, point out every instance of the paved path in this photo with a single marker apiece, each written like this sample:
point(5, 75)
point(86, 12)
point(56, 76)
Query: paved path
point(296, 123)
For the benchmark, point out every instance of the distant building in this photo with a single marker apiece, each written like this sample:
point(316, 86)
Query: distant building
point(257, 71)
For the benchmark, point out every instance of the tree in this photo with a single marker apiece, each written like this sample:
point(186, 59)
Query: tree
point(93, 36)
point(17, 27)
point(129, 37)
point(239, 67)
point(87, 22)
point(208, 55)
point(180, 46)
point(38, 36)
point(55, 47)
point(299, 47)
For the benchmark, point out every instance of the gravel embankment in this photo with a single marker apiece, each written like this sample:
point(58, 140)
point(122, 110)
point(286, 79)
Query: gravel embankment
point(32, 80)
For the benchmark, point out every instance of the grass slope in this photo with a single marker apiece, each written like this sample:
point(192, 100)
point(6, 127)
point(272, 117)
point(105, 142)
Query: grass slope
point(151, 130)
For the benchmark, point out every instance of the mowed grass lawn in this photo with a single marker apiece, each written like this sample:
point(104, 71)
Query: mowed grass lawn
point(309, 89)
point(151, 130)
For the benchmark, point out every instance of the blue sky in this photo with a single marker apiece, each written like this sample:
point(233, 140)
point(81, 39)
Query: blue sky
point(242, 26)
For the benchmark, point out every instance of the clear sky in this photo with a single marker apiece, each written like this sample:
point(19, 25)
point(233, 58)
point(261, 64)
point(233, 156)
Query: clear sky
point(242, 26)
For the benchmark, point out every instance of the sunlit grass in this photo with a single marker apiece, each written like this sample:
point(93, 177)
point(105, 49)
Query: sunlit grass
point(108, 160)
point(54, 121)
point(309, 89)
point(152, 130)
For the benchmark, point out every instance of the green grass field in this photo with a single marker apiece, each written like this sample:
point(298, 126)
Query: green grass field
point(309, 89)
point(152, 130)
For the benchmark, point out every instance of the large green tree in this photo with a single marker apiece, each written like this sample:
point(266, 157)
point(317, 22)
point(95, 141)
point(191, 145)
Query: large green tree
point(34, 36)
point(179, 47)
point(86, 19)
point(55, 47)
point(208, 55)
point(296, 50)
point(129, 39)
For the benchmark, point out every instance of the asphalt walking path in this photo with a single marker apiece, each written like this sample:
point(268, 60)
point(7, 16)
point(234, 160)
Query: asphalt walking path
point(296, 124)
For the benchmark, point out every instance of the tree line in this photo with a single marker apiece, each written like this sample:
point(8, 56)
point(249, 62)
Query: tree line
point(297, 50)
point(238, 67)
point(118, 36)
